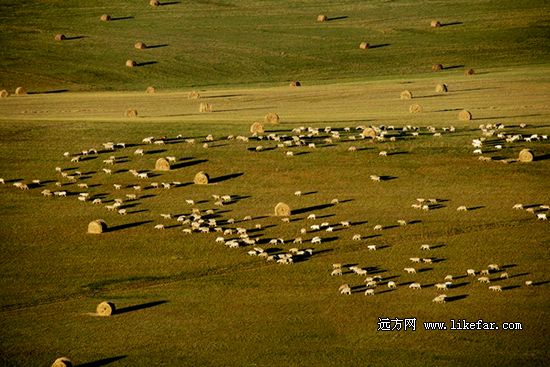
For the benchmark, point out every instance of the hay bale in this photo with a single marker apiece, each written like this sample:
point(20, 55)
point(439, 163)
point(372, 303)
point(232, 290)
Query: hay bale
point(295, 83)
point(162, 164)
point(150, 90)
point(20, 91)
point(201, 178)
point(131, 63)
point(193, 95)
point(257, 128)
point(154, 3)
point(140, 46)
point(282, 210)
point(205, 107)
point(322, 18)
point(97, 226)
point(464, 115)
point(435, 24)
point(105, 18)
point(415, 108)
point(62, 362)
point(406, 94)
point(469, 72)
point(4, 93)
point(441, 88)
point(105, 309)
point(60, 37)
point(369, 132)
point(364, 45)
point(437, 67)
point(272, 118)
point(526, 155)
point(131, 112)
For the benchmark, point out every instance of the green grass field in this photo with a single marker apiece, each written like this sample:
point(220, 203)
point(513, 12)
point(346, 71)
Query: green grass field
point(185, 300)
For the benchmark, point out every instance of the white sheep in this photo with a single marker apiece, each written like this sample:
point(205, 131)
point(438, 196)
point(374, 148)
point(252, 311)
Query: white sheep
point(142, 175)
point(316, 240)
point(495, 288)
point(369, 292)
point(414, 259)
point(315, 227)
point(470, 272)
point(415, 286)
point(462, 208)
point(494, 267)
point(159, 226)
point(375, 178)
point(542, 216)
point(345, 224)
point(371, 247)
point(425, 247)
point(528, 283)
point(402, 222)
point(356, 237)
point(383, 153)
point(449, 277)
point(378, 227)
point(131, 196)
point(122, 211)
point(166, 216)
point(504, 275)
point(441, 286)
point(297, 240)
point(484, 280)
point(171, 159)
point(427, 260)
point(345, 289)
point(360, 271)
point(96, 201)
point(297, 193)
point(484, 272)
point(107, 171)
point(440, 299)
point(311, 217)
point(337, 271)
point(410, 270)
point(392, 285)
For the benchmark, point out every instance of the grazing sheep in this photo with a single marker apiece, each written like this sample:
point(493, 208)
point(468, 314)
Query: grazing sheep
point(493, 267)
point(371, 247)
point(414, 259)
point(427, 260)
point(504, 275)
point(441, 286)
point(122, 211)
point(449, 277)
point(356, 237)
point(484, 272)
point(131, 196)
point(542, 216)
point(315, 227)
point(46, 193)
point(311, 217)
point(369, 292)
point(360, 271)
point(190, 202)
point(401, 222)
point(528, 283)
point(470, 272)
point(107, 171)
point(462, 208)
point(425, 247)
point(416, 206)
point(96, 201)
point(337, 271)
point(60, 193)
point(159, 226)
point(166, 216)
point(415, 286)
point(392, 285)
point(297, 240)
point(285, 220)
point(375, 178)
point(143, 175)
point(298, 193)
point(425, 207)
point(484, 280)
point(316, 240)
point(82, 198)
point(383, 153)
point(440, 299)
point(345, 224)
point(345, 289)
point(495, 288)
point(137, 187)
point(410, 270)
point(2, 181)
point(378, 227)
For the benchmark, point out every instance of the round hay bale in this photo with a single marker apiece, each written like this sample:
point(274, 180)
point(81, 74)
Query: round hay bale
point(322, 18)
point(105, 18)
point(435, 24)
point(97, 226)
point(193, 95)
point(369, 132)
point(526, 155)
point(282, 210)
point(201, 178)
point(364, 45)
point(406, 94)
point(131, 63)
point(131, 112)
point(272, 118)
point(441, 88)
point(62, 362)
point(154, 3)
point(415, 108)
point(437, 67)
point(257, 128)
point(464, 115)
point(469, 72)
point(295, 83)
point(105, 309)
point(162, 164)
point(20, 91)
point(4, 93)
point(140, 46)
point(150, 90)
point(60, 37)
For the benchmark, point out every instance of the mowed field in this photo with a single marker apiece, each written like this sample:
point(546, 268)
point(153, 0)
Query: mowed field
point(185, 300)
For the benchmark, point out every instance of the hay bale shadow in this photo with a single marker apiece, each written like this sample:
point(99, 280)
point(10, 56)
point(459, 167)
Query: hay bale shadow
point(101, 362)
point(188, 163)
point(226, 177)
point(510, 287)
point(145, 63)
point(158, 46)
point(380, 45)
point(74, 38)
point(139, 307)
point(127, 226)
point(122, 18)
point(55, 91)
point(336, 18)
point(451, 24)
point(455, 298)
point(311, 208)
point(453, 67)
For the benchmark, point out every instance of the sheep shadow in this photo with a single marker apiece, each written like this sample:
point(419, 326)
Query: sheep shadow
point(510, 287)
point(476, 207)
point(127, 226)
point(142, 306)
point(387, 178)
point(226, 177)
point(423, 270)
point(145, 63)
point(458, 285)
point(101, 362)
point(311, 208)
point(455, 298)
point(437, 246)
point(188, 163)
point(386, 291)
point(541, 282)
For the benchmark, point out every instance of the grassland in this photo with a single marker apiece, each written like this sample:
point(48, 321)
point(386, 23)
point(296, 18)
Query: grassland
point(188, 301)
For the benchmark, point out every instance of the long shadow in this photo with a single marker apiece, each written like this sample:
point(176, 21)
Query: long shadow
point(387, 178)
point(245, 109)
point(226, 177)
point(74, 38)
point(50, 91)
point(170, 3)
point(122, 18)
point(380, 45)
point(437, 246)
point(155, 151)
point(424, 270)
point(510, 287)
point(101, 362)
point(224, 96)
point(542, 157)
point(456, 298)
point(311, 208)
point(386, 291)
point(541, 282)
point(127, 225)
point(458, 285)
point(507, 117)
point(138, 211)
point(450, 24)
point(337, 18)
point(139, 307)
point(157, 46)
point(453, 67)
point(188, 163)
point(476, 207)
point(145, 63)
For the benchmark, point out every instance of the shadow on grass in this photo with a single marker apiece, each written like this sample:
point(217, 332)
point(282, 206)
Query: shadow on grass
point(379, 45)
point(450, 24)
point(311, 208)
point(188, 163)
point(50, 91)
point(74, 38)
point(145, 63)
point(337, 18)
point(157, 46)
point(170, 3)
point(122, 18)
point(101, 362)
point(510, 287)
point(139, 307)
point(453, 67)
point(127, 226)
point(456, 298)
point(226, 177)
